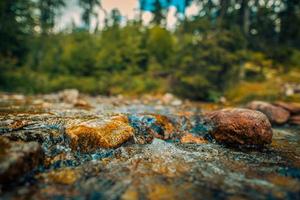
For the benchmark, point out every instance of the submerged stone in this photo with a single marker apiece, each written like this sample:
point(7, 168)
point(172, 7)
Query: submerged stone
point(275, 114)
point(240, 127)
point(89, 136)
point(17, 159)
point(149, 126)
point(65, 176)
point(165, 128)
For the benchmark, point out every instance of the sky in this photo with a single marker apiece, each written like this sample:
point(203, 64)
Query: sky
point(129, 10)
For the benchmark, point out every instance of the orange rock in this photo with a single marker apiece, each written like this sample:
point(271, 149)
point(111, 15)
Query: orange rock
point(50, 160)
point(190, 138)
point(166, 124)
point(283, 181)
point(18, 124)
point(159, 191)
point(149, 126)
point(108, 134)
point(63, 176)
point(130, 194)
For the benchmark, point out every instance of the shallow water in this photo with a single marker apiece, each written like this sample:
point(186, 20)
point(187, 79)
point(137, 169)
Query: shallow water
point(161, 169)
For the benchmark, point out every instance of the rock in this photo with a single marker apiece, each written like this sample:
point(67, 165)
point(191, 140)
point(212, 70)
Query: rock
point(176, 102)
point(165, 128)
point(222, 100)
point(295, 119)
point(149, 126)
point(275, 114)
point(80, 103)
point(167, 98)
point(190, 138)
point(18, 124)
point(292, 107)
point(130, 194)
point(18, 97)
point(240, 127)
point(291, 89)
point(18, 158)
point(288, 90)
point(170, 99)
point(65, 176)
point(69, 96)
point(110, 133)
point(7, 126)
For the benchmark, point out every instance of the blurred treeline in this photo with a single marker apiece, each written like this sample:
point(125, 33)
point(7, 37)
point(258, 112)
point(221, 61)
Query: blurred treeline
point(201, 58)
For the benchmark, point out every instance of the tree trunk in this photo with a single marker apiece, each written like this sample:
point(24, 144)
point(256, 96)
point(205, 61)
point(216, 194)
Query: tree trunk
point(244, 17)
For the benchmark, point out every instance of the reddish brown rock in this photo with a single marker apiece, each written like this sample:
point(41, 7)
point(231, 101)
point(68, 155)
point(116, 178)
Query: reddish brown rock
point(240, 126)
point(110, 133)
point(276, 115)
point(295, 119)
point(18, 158)
point(292, 107)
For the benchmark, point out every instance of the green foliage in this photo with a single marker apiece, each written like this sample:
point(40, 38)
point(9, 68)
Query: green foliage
point(207, 64)
point(249, 91)
point(78, 54)
point(160, 44)
point(16, 26)
point(295, 58)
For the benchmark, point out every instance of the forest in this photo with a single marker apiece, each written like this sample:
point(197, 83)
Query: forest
point(231, 48)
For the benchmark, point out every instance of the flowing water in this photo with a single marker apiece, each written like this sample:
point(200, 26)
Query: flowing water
point(159, 169)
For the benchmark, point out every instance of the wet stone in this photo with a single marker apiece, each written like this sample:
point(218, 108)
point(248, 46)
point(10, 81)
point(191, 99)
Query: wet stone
point(65, 176)
point(17, 159)
point(91, 135)
point(165, 127)
point(146, 148)
point(292, 107)
point(240, 127)
point(295, 119)
point(275, 114)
